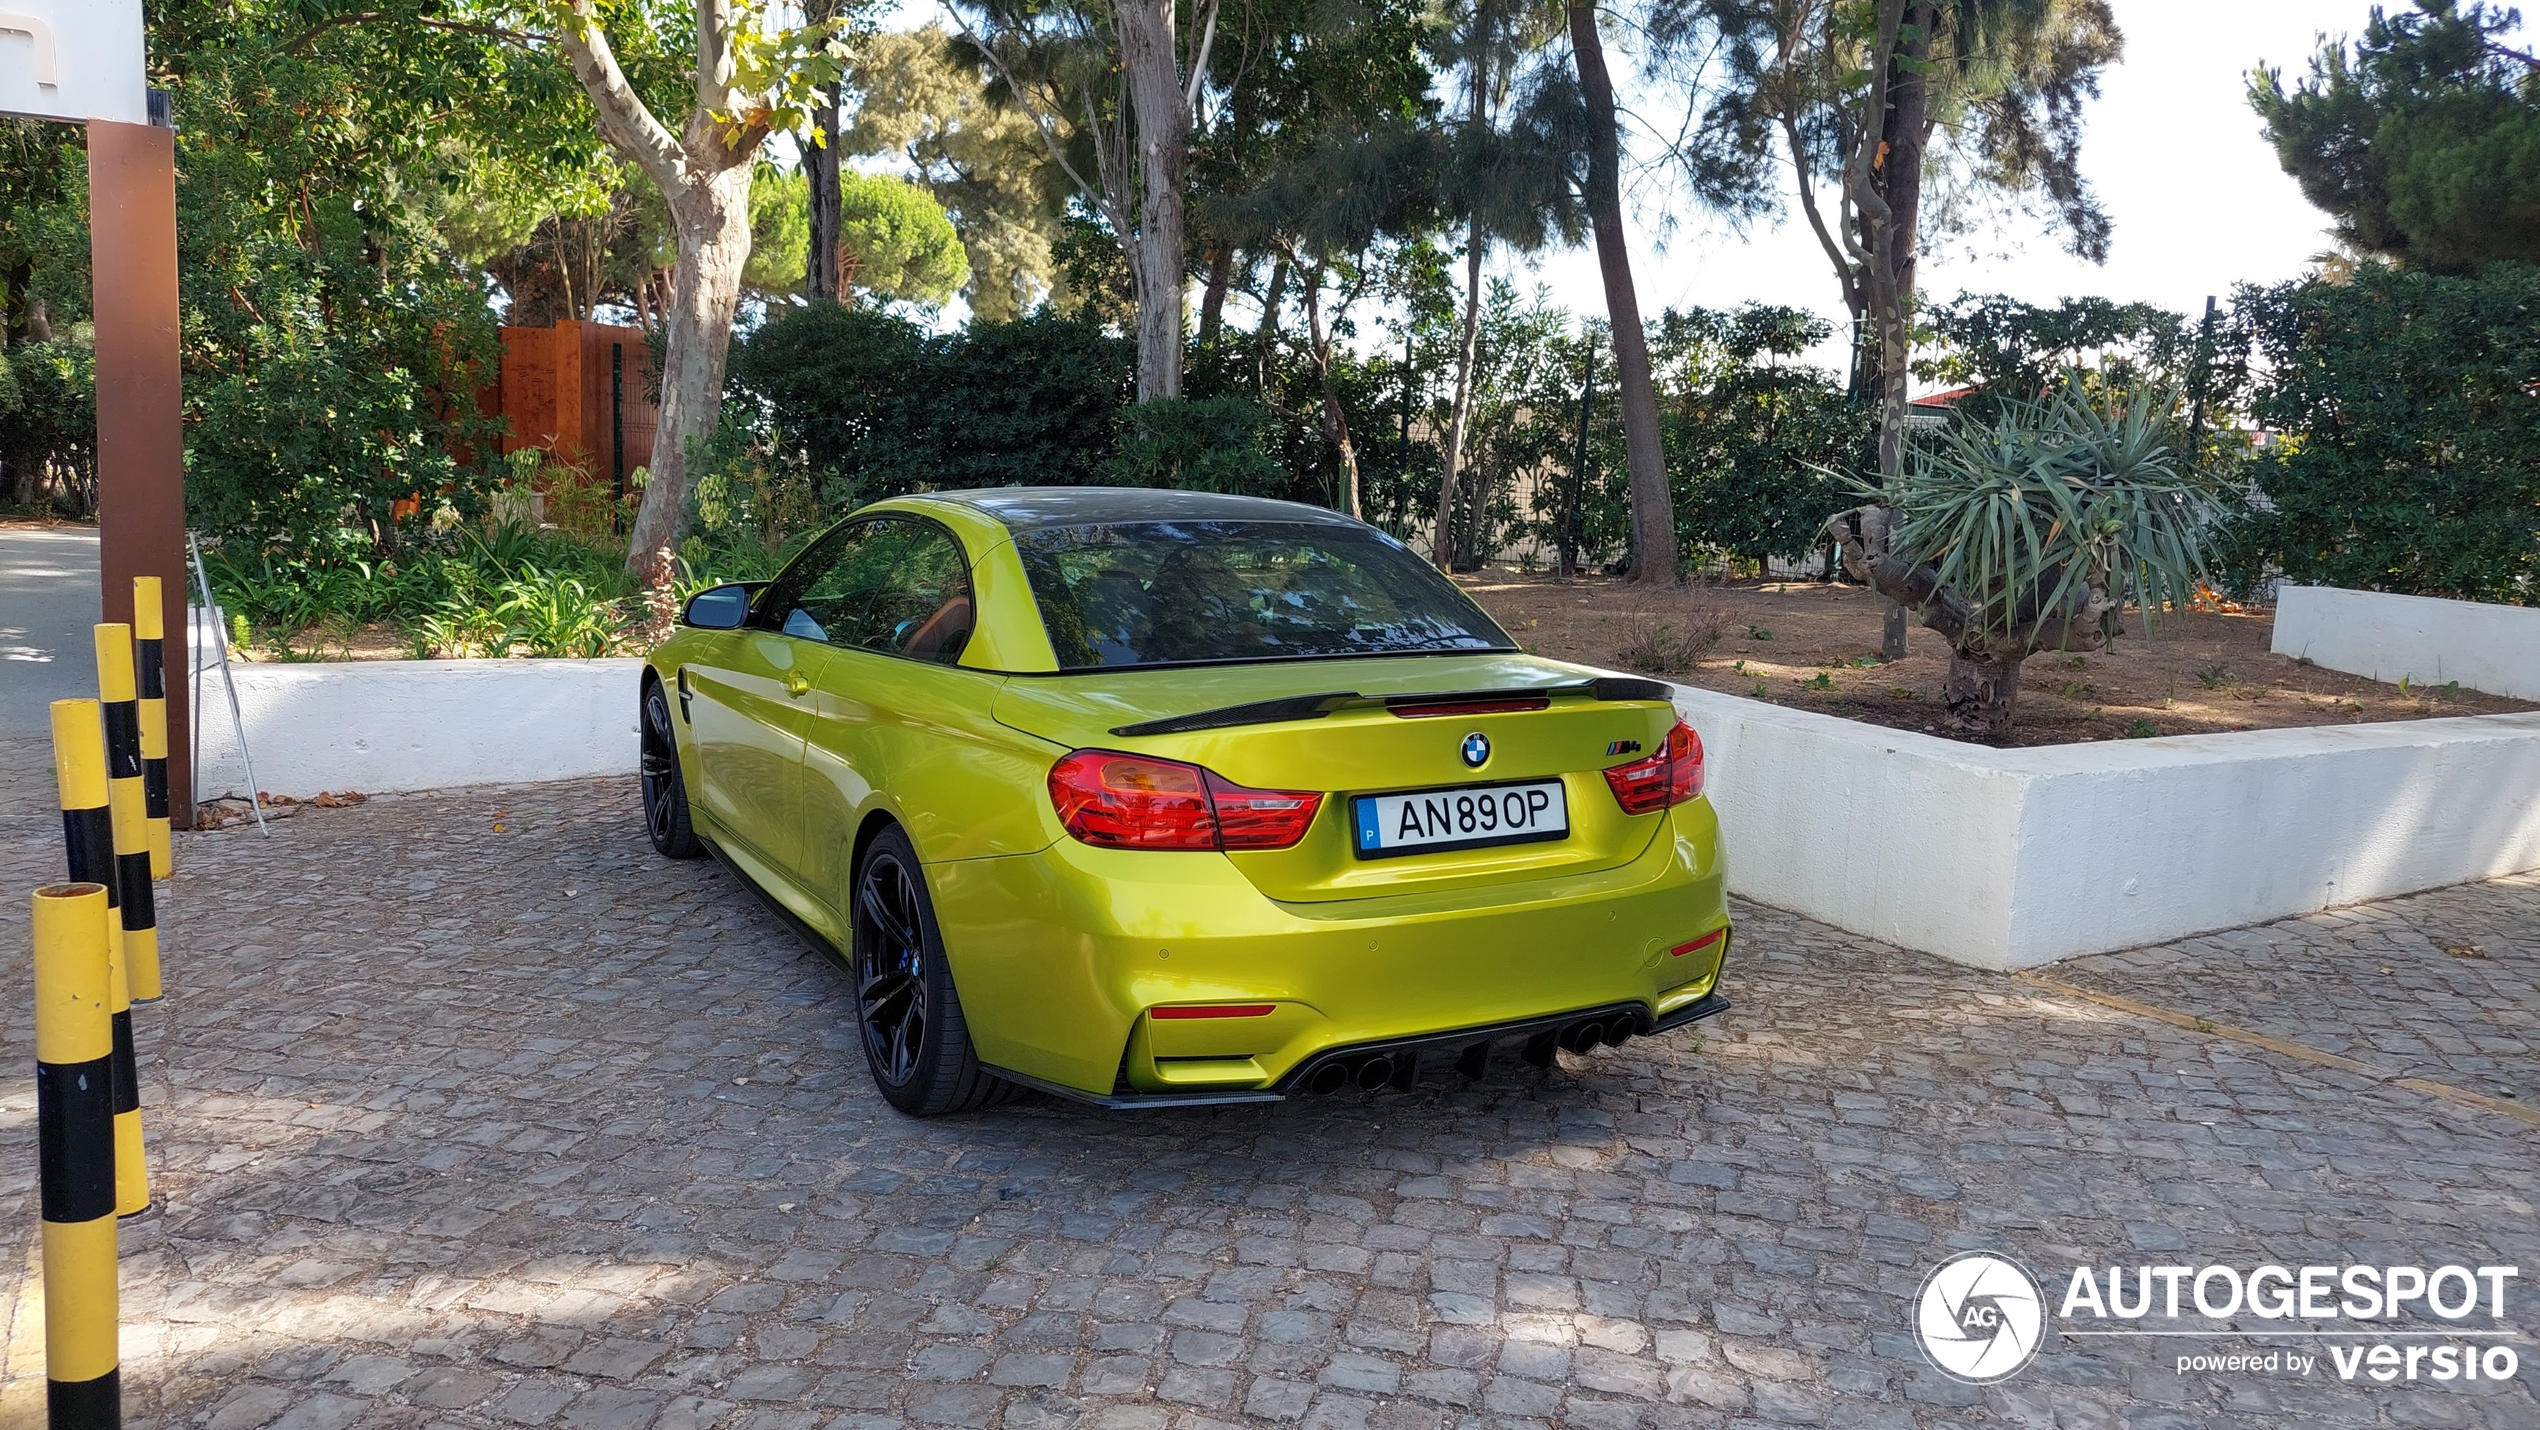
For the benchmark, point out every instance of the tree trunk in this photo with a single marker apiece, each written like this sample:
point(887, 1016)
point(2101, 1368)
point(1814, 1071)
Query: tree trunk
point(713, 222)
point(1979, 690)
point(1212, 302)
point(20, 280)
point(1653, 510)
point(1265, 341)
point(1904, 133)
point(1442, 546)
point(1335, 420)
point(820, 172)
point(1153, 65)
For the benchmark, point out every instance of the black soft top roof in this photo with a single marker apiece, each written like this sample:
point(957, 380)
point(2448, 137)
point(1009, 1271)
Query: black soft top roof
point(1031, 508)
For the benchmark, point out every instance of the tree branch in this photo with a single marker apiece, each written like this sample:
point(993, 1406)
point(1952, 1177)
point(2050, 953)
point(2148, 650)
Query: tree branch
point(1199, 64)
point(1043, 115)
point(624, 120)
point(714, 56)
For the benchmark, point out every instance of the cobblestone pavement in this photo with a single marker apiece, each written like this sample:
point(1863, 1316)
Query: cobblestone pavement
point(469, 1111)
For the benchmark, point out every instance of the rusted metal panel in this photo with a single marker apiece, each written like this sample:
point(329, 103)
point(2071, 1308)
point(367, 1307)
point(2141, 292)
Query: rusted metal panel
point(140, 419)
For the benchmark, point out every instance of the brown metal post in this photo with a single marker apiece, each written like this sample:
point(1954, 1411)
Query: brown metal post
point(140, 433)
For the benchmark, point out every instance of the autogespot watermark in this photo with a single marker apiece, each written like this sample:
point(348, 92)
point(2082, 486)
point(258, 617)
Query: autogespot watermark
point(1981, 1317)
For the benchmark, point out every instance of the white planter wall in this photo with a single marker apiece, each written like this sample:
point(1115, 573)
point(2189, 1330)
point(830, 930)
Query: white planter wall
point(2373, 633)
point(378, 725)
point(2014, 858)
point(1997, 858)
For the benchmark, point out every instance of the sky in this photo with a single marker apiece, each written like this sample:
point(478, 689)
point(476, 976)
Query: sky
point(2171, 148)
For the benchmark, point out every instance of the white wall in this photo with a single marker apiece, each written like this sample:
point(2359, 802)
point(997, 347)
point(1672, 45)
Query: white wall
point(376, 725)
point(2013, 858)
point(1997, 858)
point(2430, 641)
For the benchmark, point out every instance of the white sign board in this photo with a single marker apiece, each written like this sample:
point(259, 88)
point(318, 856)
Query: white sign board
point(73, 59)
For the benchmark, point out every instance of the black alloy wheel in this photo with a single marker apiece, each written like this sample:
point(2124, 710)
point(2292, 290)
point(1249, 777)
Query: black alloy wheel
point(909, 1016)
point(890, 971)
point(665, 790)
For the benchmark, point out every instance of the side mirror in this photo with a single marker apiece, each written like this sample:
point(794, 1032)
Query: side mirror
point(719, 608)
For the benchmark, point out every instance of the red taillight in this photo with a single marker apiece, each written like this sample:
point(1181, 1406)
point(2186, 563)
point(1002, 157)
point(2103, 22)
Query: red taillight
point(1116, 801)
point(1669, 777)
point(1260, 818)
point(1213, 1010)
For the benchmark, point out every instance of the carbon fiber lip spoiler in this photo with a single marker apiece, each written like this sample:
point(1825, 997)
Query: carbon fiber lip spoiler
point(1315, 707)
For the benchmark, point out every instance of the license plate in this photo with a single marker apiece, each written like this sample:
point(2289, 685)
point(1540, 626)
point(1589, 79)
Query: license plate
point(1429, 821)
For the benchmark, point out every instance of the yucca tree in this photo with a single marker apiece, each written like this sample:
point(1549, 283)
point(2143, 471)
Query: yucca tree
point(2033, 533)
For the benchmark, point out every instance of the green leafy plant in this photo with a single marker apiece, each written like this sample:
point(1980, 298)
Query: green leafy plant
point(2034, 531)
point(556, 615)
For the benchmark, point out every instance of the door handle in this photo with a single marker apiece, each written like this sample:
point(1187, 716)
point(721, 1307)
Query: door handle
point(797, 684)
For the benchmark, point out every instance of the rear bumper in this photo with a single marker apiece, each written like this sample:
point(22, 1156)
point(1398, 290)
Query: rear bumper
point(1406, 1063)
point(1062, 954)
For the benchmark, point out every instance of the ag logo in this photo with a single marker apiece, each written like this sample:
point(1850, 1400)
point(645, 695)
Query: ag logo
point(1476, 749)
point(1979, 1318)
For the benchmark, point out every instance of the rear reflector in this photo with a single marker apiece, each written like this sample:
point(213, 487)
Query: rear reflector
point(1219, 1010)
point(1432, 709)
point(1708, 939)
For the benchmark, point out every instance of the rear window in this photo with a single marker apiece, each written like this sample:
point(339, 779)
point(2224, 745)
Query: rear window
point(1179, 592)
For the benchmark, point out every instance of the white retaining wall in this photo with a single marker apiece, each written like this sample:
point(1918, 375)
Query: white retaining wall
point(376, 725)
point(2014, 858)
point(2430, 641)
point(1997, 858)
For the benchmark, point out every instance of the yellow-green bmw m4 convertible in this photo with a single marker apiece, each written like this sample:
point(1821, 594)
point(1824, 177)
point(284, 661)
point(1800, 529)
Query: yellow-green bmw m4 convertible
point(1147, 797)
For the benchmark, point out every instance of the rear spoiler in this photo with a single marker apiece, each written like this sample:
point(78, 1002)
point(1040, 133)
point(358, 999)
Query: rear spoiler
point(1315, 707)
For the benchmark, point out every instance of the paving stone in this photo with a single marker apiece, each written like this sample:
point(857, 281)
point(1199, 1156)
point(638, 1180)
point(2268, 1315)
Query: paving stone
point(457, 1127)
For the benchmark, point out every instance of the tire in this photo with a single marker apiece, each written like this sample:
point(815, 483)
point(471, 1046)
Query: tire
point(665, 789)
point(908, 1016)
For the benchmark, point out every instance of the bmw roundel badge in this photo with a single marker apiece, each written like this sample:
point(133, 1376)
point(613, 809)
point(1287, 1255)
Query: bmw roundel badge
point(1476, 750)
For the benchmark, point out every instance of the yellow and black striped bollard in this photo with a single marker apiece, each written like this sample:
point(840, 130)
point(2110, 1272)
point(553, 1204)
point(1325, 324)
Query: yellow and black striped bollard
point(129, 807)
point(74, 1051)
point(149, 645)
point(79, 772)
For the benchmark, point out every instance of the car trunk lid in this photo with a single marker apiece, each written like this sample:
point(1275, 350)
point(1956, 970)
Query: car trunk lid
point(1362, 728)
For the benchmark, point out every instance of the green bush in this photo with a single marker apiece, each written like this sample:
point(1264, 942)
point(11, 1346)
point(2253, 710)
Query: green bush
point(878, 406)
point(2410, 427)
point(452, 593)
point(1206, 444)
point(48, 423)
point(1753, 440)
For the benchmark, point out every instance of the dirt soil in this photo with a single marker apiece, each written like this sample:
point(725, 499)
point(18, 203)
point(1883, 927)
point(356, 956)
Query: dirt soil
point(1815, 647)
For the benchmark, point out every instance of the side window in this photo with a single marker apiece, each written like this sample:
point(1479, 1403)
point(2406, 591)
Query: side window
point(828, 595)
point(923, 611)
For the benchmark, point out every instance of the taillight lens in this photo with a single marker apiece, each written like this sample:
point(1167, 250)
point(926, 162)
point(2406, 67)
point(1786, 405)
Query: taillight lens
point(1116, 801)
point(1129, 802)
point(1260, 818)
point(1669, 777)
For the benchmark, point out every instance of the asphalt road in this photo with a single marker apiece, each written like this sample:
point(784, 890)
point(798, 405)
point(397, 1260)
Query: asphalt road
point(48, 601)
